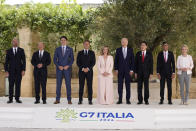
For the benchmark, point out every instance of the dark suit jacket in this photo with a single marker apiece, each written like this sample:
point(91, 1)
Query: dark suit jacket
point(121, 64)
point(145, 68)
point(45, 60)
point(15, 62)
point(165, 68)
point(86, 61)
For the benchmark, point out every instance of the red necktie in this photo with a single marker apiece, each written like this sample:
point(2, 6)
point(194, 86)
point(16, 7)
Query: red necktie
point(143, 57)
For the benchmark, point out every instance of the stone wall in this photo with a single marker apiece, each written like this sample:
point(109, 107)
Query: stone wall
point(2, 83)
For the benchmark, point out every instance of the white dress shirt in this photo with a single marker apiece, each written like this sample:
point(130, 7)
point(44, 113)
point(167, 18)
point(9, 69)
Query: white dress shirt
point(41, 52)
point(144, 53)
point(15, 49)
point(165, 54)
point(124, 50)
point(64, 49)
point(86, 51)
point(185, 62)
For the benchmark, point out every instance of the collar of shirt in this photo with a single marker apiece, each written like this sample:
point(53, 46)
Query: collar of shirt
point(15, 48)
point(124, 49)
point(85, 50)
point(41, 51)
point(64, 46)
point(165, 52)
point(144, 52)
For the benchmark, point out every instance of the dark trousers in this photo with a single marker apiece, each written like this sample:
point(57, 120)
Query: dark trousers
point(165, 78)
point(121, 76)
point(14, 79)
point(143, 80)
point(40, 79)
point(89, 77)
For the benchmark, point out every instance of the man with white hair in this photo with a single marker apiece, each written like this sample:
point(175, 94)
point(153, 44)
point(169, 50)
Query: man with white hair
point(40, 60)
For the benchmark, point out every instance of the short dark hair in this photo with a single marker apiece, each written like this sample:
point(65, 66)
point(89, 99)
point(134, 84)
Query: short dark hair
point(86, 41)
point(164, 42)
point(144, 43)
point(63, 37)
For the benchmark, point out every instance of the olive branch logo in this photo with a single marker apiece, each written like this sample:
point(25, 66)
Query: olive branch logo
point(66, 114)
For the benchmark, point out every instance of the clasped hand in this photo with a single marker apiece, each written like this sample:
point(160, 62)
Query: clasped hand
point(63, 67)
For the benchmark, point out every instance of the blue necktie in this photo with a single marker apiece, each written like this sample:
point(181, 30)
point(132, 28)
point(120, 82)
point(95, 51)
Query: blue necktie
point(63, 50)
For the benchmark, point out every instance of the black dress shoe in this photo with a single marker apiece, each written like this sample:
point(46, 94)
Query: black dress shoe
point(90, 103)
point(44, 102)
point(161, 102)
point(80, 102)
point(119, 102)
point(128, 102)
point(146, 102)
point(170, 103)
point(140, 102)
point(18, 101)
point(10, 101)
point(37, 102)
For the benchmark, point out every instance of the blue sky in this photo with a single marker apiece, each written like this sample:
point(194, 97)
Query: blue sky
point(13, 2)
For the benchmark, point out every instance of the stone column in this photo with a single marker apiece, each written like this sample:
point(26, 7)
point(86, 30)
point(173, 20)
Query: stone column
point(25, 43)
point(175, 85)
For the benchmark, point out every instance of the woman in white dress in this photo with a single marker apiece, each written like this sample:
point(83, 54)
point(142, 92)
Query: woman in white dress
point(105, 65)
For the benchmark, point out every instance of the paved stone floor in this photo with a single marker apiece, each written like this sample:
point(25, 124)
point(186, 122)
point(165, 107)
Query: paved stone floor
point(154, 99)
point(16, 129)
point(28, 102)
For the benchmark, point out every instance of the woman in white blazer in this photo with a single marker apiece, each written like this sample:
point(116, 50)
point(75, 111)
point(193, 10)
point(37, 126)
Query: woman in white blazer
point(105, 65)
point(184, 66)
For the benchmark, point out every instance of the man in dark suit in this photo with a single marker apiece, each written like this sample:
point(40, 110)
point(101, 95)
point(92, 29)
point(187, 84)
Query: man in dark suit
point(63, 59)
point(143, 71)
point(15, 65)
point(165, 71)
point(124, 66)
point(86, 61)
point(40, 60)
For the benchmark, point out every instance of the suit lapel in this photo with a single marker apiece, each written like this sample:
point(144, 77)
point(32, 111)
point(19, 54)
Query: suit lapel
point(141, 56)
point(12, 51)
point(168, 56)
point(163, 56)
point(43, 55)
point(102, 60)
point(121, 53)
point(83, 52)
point(61, 50)
point(146, 56)
point(38, 55)
point(107, 60)
point(127, 53)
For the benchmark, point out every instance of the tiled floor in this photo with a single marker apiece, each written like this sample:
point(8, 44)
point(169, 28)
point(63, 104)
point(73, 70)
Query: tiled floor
point(18, 129)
